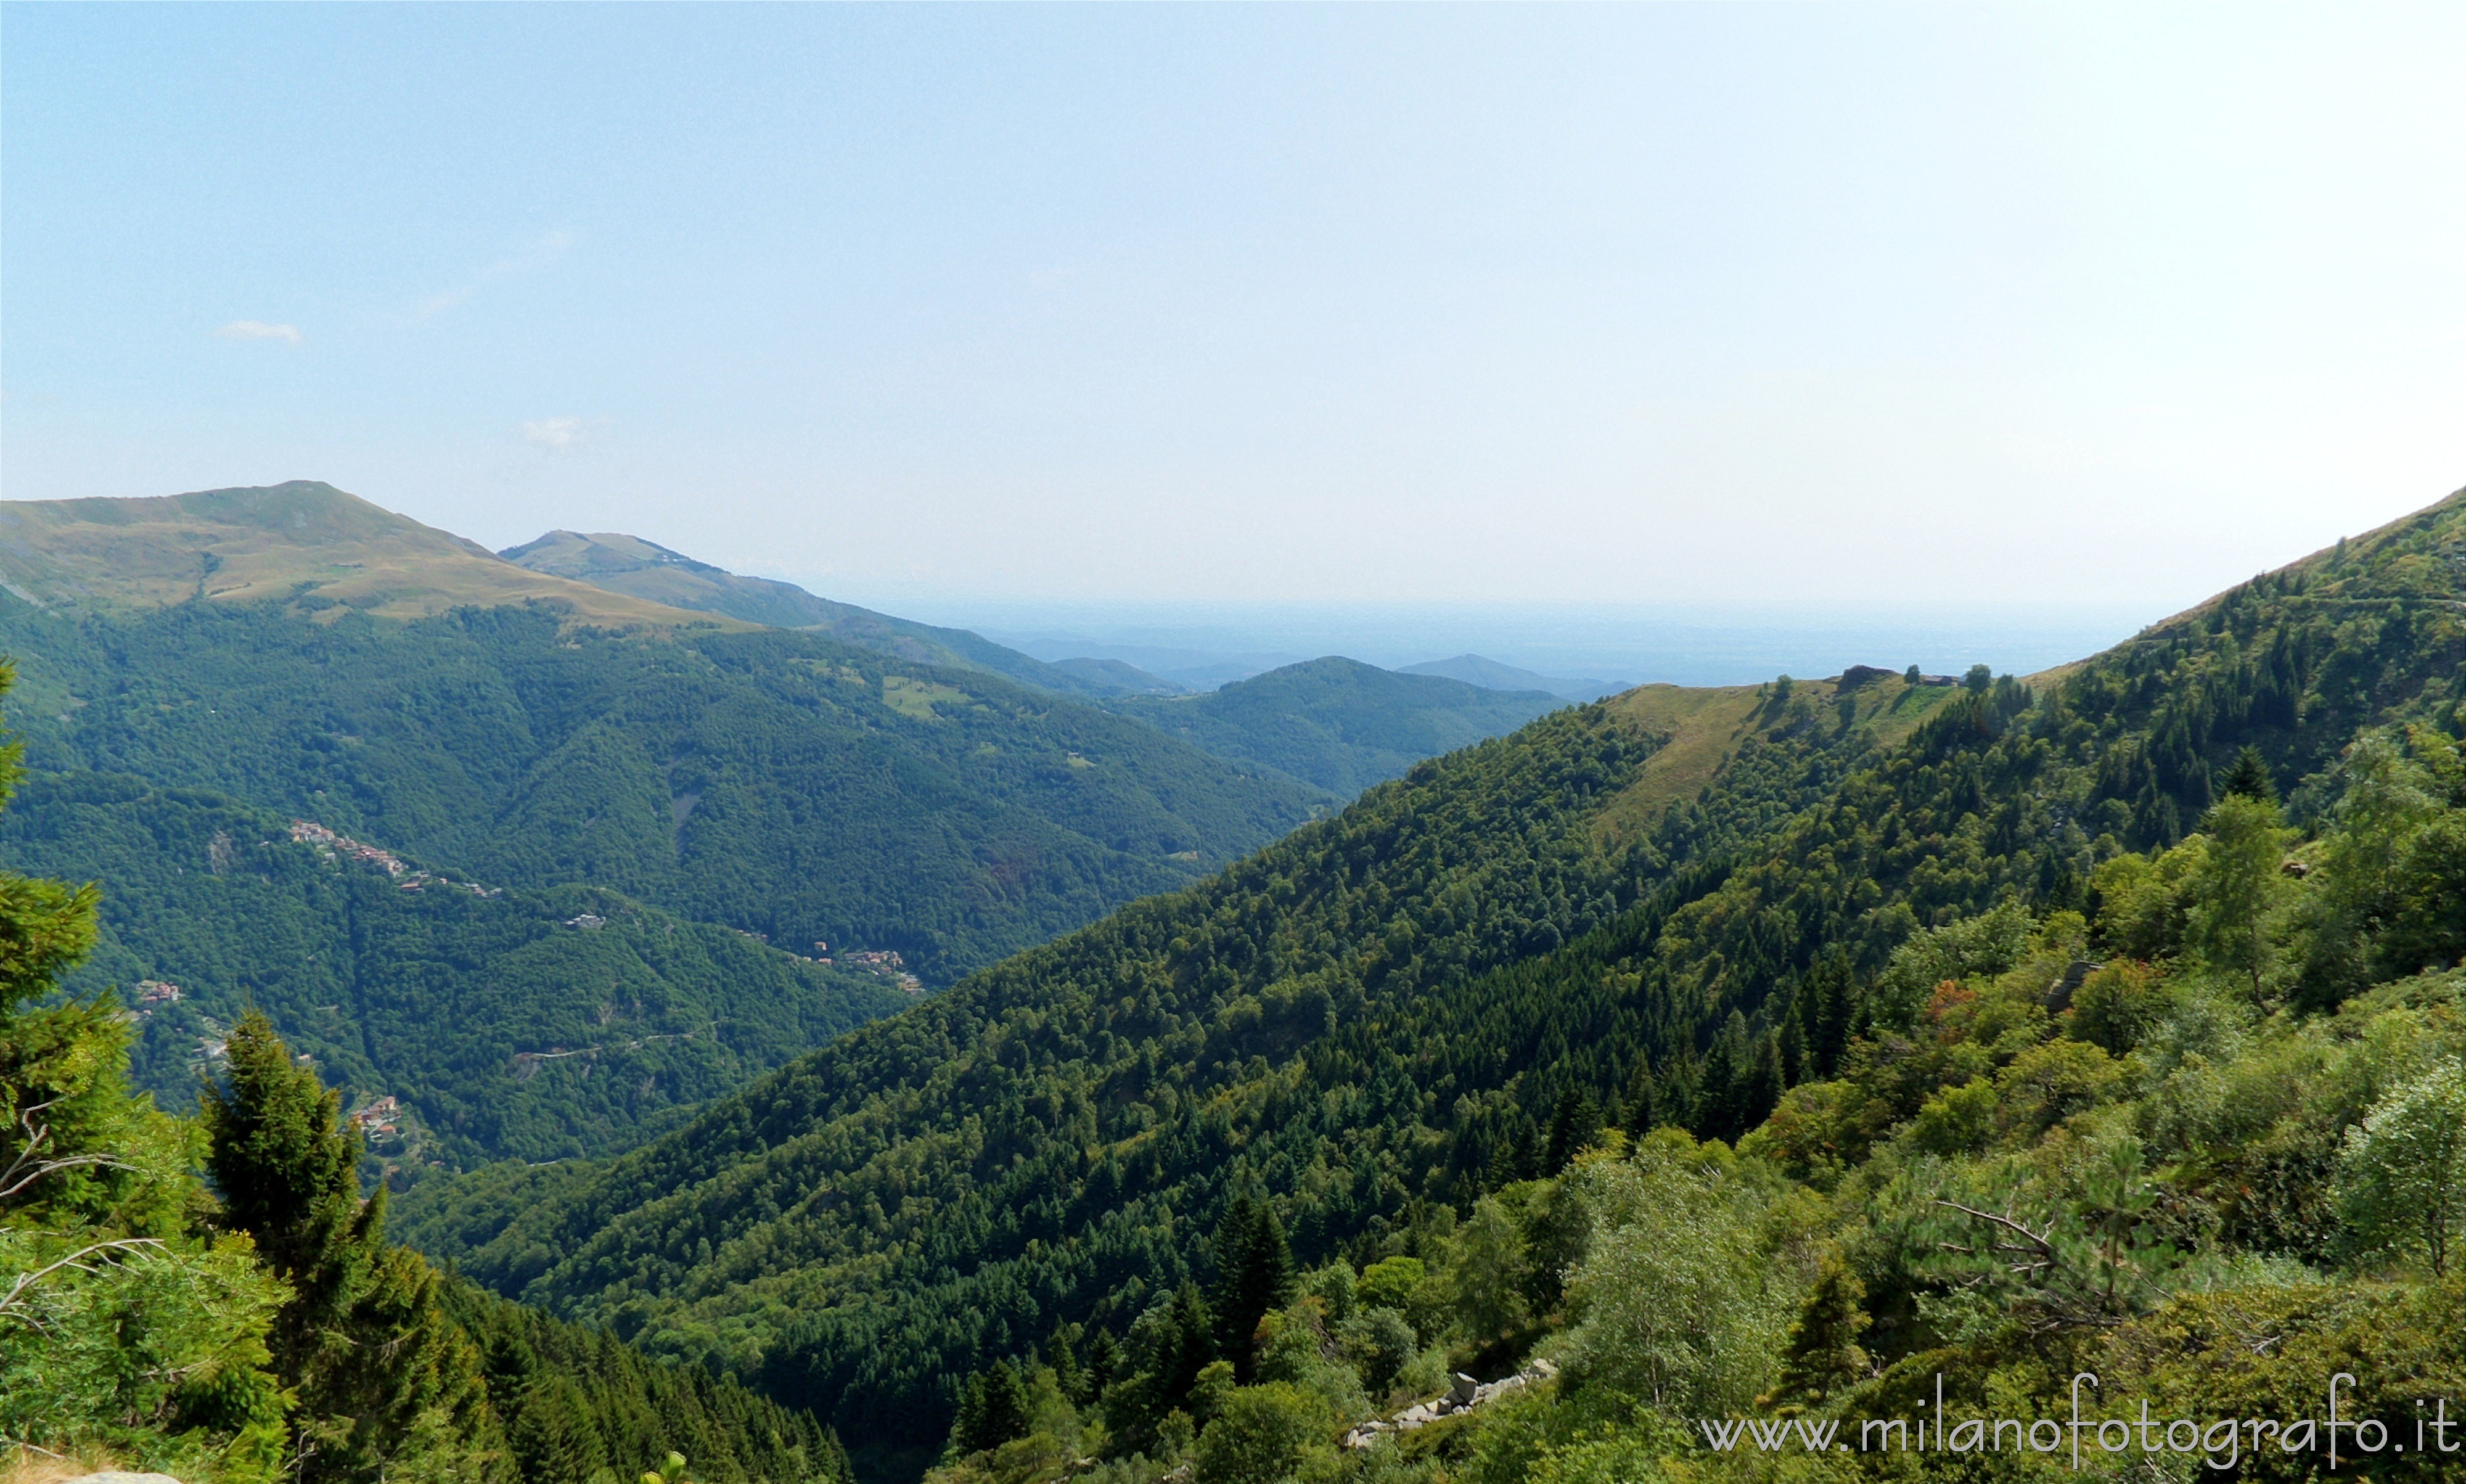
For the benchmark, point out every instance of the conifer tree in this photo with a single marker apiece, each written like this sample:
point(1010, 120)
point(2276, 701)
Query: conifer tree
point(1643, 1101)
point(1759, 1089)
point(1104, 1362)
point(118, 1325)
point(1573, 1123)
point(1719, 1096)
point(551, 1433)
point(383, 1378)
point(1068, 1374)
point(992, 1410)
point(1823, 1357)
point(2248, 777)
point(1254, 1277)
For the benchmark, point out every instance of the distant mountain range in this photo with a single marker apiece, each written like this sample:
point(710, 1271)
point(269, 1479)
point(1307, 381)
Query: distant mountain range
point(1492, 675)
point(1679, 912)
point(1338, 724)
point(594, 724)
point(636, 568)
point(283, 544)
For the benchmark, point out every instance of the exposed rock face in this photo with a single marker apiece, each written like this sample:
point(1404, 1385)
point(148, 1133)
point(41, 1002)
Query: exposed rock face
point(1463, 1395)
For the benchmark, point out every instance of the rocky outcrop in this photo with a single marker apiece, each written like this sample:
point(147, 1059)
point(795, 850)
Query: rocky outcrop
point(1462, 1396)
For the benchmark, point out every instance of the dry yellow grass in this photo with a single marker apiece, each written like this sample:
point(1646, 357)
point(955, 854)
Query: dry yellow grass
point(1705, 726)
point(278, 543)
point(21, 1464)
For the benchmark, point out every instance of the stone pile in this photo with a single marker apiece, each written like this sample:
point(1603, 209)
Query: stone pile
point(1462, 1396)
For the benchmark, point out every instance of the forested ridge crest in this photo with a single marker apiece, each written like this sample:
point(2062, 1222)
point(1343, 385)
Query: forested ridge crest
point(1383, 1013)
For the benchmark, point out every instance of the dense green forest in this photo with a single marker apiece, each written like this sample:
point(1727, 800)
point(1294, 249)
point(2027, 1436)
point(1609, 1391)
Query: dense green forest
point(1388, 1017)
point(531, 1024)
point(781, 783)
point(257, 1325)
point(1337, 724)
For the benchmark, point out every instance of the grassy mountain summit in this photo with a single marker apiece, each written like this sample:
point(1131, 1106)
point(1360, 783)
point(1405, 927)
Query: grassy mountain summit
point(1670, 909)
point(1338, 724)
point(280, 543)
point(646, 570)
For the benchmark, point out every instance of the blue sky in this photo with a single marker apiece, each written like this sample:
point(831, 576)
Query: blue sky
point(1522, 305)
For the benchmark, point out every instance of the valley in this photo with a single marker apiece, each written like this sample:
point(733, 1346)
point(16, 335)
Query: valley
point(891, 744)
point(1247, 1109)
point(1396, 1014)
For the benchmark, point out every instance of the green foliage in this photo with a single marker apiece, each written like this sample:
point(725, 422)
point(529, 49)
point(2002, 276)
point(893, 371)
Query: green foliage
point(121, 1324)
point(152, 1347)
point(1389, 1282)
point(1822, 1358)
point(574, 1401)
point(1261, 1435)
point(1376, 1020)
point(774, 782)
point(1337, 724)
point(992, 1410)
point(1688, 1289)
point(2402, 1175)
point(2097, 1260)
point(2235, 887)
point(1254, 1277)
point(502, 1029)
point(286, 1166)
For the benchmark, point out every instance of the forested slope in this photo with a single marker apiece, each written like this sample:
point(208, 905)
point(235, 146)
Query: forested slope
point(1337, 724)
point(1383, 1013)
point(257, 1325)
point(781, 783)
point(507, 1022)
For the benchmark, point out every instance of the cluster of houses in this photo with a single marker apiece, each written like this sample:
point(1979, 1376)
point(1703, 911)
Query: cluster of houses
point(884, 961)
point(380, 1117)
point(308, 832)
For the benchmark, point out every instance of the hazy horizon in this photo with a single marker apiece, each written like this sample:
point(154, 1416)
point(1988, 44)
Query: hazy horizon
point(1661, 304)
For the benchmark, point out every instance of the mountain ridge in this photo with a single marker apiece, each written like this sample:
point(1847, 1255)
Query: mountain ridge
point(1493, 675)
point(303, 541)
point(1338, 724)
point(636, 568)
point(1377, 1016)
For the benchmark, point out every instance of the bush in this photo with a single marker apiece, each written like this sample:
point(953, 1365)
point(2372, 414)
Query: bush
point(1261, 1435)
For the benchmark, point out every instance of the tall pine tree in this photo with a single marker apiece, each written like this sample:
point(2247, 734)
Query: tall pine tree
point(383, 1378)
point(1254, 1277)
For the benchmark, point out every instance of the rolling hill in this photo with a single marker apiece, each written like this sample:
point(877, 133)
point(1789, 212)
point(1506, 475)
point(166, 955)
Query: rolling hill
point(1337, 724)
point(777, 782)
point(636, 568)
point(1668, 909)
point(303, 541)
point(1491, 675)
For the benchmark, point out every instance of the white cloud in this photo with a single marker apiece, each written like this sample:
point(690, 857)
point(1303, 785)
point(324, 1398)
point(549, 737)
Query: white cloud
point(555, 435)
point(258, 329)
